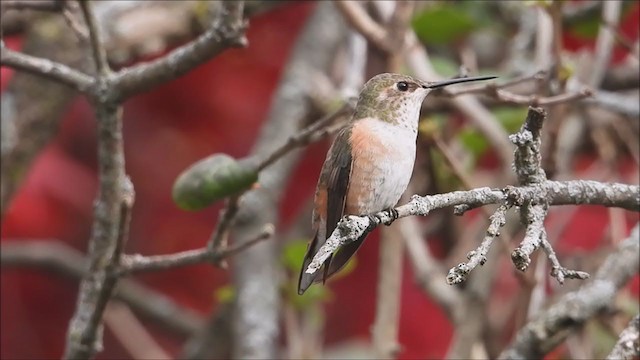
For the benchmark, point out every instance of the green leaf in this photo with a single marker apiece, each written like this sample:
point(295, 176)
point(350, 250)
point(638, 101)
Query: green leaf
point(213, 178)
point(473, 141)
point(586, 28)
point(511, 119)
point(442, 24)
point(225, 294)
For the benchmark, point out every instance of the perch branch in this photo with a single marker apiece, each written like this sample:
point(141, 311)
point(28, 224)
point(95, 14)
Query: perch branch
point(46, 68)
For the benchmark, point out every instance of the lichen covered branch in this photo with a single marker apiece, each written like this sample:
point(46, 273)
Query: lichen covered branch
point(552, 326)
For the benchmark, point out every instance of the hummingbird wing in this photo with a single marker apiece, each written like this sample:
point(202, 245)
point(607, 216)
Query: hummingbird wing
point(330, 201)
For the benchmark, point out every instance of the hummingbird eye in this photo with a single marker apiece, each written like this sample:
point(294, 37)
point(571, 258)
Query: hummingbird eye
point(402, 86)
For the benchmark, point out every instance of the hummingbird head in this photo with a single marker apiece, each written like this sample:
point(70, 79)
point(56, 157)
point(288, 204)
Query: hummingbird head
point(397, 98)
point(392, 98)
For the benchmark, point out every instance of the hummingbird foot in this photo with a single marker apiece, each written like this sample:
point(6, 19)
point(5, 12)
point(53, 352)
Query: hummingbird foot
point(393, 216)
point(373, 222)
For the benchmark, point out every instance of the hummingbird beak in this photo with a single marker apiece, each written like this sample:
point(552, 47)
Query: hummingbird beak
point(439, 84)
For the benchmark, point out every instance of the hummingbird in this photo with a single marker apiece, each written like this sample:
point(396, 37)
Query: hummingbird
point(369, 164)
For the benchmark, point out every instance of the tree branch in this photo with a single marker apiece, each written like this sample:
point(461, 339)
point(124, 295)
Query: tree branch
point(136, 263)
point(572, 310)
point(628, 345)
point(58, 258)
point(226, 30)
point(46, 68)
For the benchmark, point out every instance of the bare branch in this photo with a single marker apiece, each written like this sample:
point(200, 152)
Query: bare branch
point(357, 17)
point(226, 30)
point(313, 132)
point(58, 258)
point(136, 263)
point(39, 5)
point(477, 257)
point(384, 330)
point(95, 37)
point(46, 68)
point(553, 326)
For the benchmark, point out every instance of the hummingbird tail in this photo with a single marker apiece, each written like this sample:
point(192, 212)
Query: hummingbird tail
point(331, 266)
point(305, 279)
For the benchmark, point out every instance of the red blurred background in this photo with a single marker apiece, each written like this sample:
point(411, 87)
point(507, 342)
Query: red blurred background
point(219, 107)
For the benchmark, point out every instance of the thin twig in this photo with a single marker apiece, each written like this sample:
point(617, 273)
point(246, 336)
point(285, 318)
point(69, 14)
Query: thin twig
point(477, 257)
point(358, 18)
point(46, 68)
point(226, 30)
point(39, 5)
point(95, 37)
point(313, 132)
point(136, 263)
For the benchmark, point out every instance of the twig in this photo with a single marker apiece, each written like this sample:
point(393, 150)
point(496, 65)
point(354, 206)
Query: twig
point(313, 132)
point(572, 310)
point(384, 330)
point(358, 18)
point(46, 68)
point(214, 253)
point(111, 218)
point(557, 271)
point(131, 333)
point(227, 215)
point(135, 263)
point(628, 345)
point(82, 32)
point(39, 5)
point(95, 37)
point(58, 258)
point(604, 42)
point(533, 217)
point(226, 30)
point(535, 100)
point(477, 257)
point(111, 222)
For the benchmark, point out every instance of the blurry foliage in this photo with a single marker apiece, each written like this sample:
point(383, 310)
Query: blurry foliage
point(446, 22)
point(601, 339)
point(225, 294)
point(510, 118)
point(446, 179)
point(587, 25)
point(444, 66)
